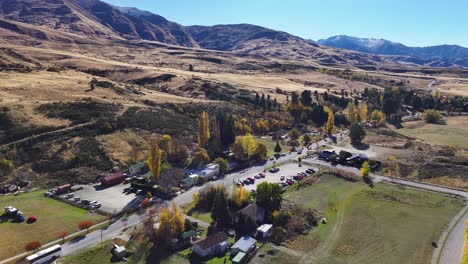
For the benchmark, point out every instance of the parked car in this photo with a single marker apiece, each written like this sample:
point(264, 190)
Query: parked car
point(85, 202)
point(282, 178)
point(96, 205)
point(252, 180)
point(76, 199)
point(239, 184)
point(93, 202)
point(129, 179)
point(48, 194)
point(68, 196)
point(283, 184)
point(310, 171)
point(139, 192)
point(262, 175)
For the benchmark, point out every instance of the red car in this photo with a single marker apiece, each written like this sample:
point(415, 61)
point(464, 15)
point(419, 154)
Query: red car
point(262, 175)
point(252, 180)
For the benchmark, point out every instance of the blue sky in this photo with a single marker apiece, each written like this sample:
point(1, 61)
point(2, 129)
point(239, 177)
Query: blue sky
point(411, 22)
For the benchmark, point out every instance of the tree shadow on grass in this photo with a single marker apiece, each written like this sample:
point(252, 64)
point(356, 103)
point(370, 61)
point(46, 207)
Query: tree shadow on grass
point(158, 254)
point(360, 146)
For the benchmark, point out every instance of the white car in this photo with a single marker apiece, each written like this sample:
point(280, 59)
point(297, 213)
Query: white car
point(96, 205)
point(76, 199)
point(68, 196)
point(93, 202)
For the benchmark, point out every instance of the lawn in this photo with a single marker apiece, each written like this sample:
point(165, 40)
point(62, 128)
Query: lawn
point(203, 216)
point(52, 217)
point(270, 144)
point(454, 133)
point(94, 255)
point(385, 224)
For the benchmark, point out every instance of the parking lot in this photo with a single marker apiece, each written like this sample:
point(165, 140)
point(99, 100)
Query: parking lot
point(112, 199)
point(288, 171)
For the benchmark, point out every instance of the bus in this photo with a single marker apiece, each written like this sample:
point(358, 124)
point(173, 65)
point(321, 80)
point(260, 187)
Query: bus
point(45, 256)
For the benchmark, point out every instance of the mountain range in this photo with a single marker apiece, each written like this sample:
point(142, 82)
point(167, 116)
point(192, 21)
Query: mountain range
point(35, 22)
point(448, 54)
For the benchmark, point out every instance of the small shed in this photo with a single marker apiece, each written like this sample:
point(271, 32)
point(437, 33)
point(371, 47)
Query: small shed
point(245, 244)
point(264, 231)
point(119, 251)
point(239, 258)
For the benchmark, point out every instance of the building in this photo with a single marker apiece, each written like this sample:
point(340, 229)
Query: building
point(210, 171)
point(245, 245)
point(239, 258)
point(264, 231)
point(210, 245)
point(190, 181)
point(252, 211)
point(137, 168)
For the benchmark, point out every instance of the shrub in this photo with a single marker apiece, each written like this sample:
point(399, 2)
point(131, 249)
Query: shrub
point(432, 116)
point(33, 245)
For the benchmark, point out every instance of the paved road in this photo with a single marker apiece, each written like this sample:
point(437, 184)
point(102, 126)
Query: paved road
point(94, 238)
point(116, 228)
point(451, 251)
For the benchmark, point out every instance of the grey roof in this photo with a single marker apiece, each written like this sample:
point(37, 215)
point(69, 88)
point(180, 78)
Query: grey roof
point(244, 243)
point(255, 212)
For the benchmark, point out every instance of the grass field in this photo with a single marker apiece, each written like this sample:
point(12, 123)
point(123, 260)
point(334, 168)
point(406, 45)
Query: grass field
point(52, 217)
point(270, 144)
point(384, 224)
point(454, 133)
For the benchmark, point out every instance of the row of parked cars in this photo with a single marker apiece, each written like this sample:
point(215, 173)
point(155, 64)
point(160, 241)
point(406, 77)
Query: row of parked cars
point(291, 180)
point(251, 180)
point(85, 202)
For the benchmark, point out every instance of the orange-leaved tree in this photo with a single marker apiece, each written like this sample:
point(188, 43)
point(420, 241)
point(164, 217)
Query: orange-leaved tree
point(85, 225)
point(62, 235)
point(33, 245)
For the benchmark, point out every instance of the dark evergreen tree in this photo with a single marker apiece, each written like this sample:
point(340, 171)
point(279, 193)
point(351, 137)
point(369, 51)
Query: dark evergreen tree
point(306, 97)
point(220, 212)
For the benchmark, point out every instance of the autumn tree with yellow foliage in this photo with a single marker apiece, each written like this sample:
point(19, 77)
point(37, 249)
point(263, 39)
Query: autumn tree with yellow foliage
point(330, 125)
point(352, 113)
point(377, 118)
point(363, 112)
point(239, 196)
point(154, 158)
point(166, 144)
point(246, 147)
point(171, 223)
point(365, 169)
point(203, 129)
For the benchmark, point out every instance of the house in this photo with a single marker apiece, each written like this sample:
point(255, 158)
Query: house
point(210, 171)
point(137, 168)
point(252, 211)
point(245, 245)
point(212, 244)
point(190, 181)
point(357, 160)
point(264, 231)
